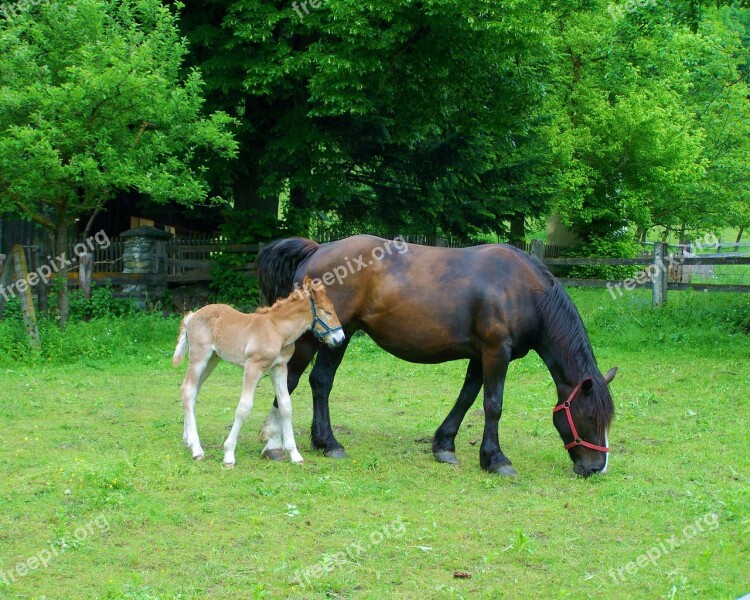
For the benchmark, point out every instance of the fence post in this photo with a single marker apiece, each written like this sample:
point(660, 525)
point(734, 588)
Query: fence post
point(41, 287)
point(661, 275)
point(23, 285)
point(4, 279)
point(537, 250)
point(145, 252)
point(84, 274)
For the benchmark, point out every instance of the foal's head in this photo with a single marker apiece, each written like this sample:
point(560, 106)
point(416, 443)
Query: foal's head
point(325, 323)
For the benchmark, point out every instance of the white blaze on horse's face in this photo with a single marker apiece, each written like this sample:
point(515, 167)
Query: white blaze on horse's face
point(606, 460)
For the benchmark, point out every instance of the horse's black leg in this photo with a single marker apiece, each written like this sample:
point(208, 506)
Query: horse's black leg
point(321, 382)
point(494, 368)
point(444, 442)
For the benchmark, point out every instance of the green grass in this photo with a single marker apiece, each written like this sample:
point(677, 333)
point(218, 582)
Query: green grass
point(92, 431)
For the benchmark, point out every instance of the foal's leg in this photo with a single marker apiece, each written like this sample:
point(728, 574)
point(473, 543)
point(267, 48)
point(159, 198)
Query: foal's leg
point(278, 377)
point(494, 368)
point(252, 375)
point(200, 367)
point(444, 442)
point(321, 382)
point(304, 350)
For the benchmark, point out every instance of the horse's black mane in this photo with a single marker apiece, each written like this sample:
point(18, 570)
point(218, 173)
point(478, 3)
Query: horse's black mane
point(564, 329)
point(277, 263)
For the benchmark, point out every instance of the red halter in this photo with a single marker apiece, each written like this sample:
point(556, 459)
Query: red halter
point(577, 441)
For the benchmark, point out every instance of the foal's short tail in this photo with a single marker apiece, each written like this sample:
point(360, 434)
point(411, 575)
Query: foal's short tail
point(182, 341)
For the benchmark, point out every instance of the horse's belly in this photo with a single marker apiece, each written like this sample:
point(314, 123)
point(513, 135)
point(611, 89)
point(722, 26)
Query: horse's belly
point(424, 350)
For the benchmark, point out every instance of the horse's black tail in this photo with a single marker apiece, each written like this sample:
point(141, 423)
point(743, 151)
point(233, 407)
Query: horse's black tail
point(277, 263)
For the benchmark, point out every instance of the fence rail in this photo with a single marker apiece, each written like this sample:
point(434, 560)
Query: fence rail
point(663, 272)
point(189, 260)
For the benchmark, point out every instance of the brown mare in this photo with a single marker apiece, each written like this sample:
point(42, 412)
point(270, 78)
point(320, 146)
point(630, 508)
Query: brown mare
point(261, 343)
point(489, 304)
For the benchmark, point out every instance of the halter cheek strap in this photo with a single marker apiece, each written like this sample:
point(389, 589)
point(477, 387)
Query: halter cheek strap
point(316, 320)
point(577, 441)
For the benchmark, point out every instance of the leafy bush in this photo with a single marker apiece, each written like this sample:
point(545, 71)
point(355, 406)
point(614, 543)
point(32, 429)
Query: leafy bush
point(141, 336)
point(615, 246)
point(229, 285)
point(101, 304)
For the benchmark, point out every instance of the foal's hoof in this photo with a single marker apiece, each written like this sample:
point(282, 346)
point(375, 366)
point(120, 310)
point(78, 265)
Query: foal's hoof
point(506, 470)
point(335, 453)
point(199, 457)
point(276, 454)
point(446, 456)
point(228, 465)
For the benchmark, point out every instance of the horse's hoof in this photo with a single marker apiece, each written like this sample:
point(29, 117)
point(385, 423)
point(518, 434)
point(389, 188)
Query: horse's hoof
point(506, 470)
point(276, 454)
point(199, 457)
point(446, 456)
point(228, 465)
point(335, 453)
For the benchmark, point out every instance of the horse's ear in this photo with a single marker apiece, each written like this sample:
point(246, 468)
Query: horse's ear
point(610, 375)
point(587, 385)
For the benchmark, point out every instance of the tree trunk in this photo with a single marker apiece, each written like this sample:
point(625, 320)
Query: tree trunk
point(517, 228)
point(739, 236)
point(61, 247)
point(246, 197)
point(300, 203)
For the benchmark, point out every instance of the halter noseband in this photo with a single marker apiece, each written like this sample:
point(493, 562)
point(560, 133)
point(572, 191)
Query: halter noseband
point(577, 441)
point(318, 321)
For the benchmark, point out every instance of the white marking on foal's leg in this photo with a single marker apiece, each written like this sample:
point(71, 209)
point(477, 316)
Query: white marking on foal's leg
point(197, 373)
point(278, 377)
point(190, 428)
point(251, 379)
point(606, 457)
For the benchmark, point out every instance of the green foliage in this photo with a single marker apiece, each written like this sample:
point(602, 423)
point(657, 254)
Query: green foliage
point(94, 101)
point(230, 285)
point(414, 116)
point(649, 137)
point(614, 246)
point(101, 339)
point(101, 305)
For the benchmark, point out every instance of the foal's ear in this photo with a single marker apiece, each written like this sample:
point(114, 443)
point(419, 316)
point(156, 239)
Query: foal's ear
point(610, 375)
point(307, 282)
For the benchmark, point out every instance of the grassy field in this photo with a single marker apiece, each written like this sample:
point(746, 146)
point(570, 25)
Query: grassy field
point(99, 499)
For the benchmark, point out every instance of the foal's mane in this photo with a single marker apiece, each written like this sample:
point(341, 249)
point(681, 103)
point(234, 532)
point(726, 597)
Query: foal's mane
point(564, 330)
point(296, 295)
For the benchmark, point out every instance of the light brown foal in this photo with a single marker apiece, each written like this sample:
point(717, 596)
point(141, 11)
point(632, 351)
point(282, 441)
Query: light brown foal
point(261, 343)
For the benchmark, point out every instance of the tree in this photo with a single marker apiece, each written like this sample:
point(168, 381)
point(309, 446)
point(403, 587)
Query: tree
point(94, 99)
point(650, 138)
point(410, 115)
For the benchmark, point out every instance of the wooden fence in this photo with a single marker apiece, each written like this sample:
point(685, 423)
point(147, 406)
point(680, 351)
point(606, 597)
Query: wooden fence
point(189, 260)
point(654, 275)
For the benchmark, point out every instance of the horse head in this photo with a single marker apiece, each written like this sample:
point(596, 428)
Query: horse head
point(582, 419)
